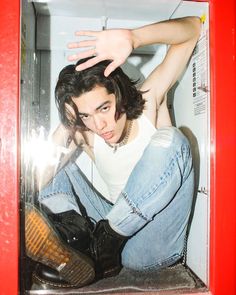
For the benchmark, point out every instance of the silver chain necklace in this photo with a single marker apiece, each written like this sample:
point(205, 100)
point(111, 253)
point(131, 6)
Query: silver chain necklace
point(124, 141)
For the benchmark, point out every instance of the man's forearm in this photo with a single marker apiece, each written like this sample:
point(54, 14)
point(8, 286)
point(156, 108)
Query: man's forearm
point(60, 149)
point(169, 32)
point(62, 136)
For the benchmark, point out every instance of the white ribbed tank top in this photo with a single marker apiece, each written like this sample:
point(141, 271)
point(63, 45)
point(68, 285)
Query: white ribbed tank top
point(115, 168)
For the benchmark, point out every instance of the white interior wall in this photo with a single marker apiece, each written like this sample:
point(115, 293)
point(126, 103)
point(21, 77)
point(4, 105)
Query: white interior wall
point(152, 10)
point(53, 35)
point(194, 121)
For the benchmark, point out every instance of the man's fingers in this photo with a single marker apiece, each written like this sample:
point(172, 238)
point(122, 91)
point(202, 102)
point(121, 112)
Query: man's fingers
point(87, 53)
point(73, 57)
point(110, 68)
point(91, 62)
point(84, 54)
point(80, 44)
point(72, 45)
point(86, 33)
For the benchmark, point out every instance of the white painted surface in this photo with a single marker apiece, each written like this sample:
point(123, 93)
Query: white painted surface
point(192, 112)
point(123, 9)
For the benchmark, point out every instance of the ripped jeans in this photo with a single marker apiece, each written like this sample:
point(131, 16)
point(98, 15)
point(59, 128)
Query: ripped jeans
point(153, 208)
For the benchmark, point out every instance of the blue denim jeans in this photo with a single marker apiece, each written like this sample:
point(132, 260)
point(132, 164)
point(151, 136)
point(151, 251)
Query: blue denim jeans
point(153, 209)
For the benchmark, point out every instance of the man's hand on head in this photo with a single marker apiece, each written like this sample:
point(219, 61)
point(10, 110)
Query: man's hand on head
point(115, 45)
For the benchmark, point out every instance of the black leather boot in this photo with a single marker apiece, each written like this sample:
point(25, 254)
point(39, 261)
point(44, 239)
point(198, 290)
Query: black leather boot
point(106, 247)
point(47, 278)
point(44, 243)
point(74, 229)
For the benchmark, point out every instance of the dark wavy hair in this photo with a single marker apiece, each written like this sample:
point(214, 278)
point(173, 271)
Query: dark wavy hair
point(72, 83)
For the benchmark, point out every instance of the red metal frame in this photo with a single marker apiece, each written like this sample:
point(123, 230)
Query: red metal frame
point(9, 153)
point(223, 146)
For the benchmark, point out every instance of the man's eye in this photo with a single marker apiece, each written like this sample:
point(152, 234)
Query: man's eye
point(83, 117)
point(105, 109)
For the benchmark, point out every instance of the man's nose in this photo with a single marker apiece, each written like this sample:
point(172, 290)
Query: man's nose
point(99, 122)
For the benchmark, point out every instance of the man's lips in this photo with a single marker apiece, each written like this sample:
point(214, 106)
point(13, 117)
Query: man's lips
point(107, 135)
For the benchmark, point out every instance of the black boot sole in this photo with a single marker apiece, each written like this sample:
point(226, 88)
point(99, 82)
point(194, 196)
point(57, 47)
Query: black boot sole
point(44, 245)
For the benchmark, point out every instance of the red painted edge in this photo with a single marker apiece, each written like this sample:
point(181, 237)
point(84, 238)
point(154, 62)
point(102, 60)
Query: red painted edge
point(223, 147)
point(9, 144)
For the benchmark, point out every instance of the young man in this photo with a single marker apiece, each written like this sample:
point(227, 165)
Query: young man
point(145, 162)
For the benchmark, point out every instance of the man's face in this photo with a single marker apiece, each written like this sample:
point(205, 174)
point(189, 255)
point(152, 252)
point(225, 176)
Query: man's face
point(97, 110)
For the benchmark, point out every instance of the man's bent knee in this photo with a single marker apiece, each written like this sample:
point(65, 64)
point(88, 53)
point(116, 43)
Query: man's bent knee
point(167, 136)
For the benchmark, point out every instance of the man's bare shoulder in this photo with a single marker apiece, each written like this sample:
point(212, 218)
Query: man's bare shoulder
point(89, 138)
point(86, 140)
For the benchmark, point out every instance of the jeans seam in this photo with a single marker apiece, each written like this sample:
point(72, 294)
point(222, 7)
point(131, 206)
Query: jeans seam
point(134, 208)
point(164, 263)
point(55, 193)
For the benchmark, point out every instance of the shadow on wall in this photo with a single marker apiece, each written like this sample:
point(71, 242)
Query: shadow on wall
point(134, 72)
point(196, 166)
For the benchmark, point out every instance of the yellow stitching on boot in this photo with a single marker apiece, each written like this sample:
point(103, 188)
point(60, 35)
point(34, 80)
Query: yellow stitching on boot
point(51, 283)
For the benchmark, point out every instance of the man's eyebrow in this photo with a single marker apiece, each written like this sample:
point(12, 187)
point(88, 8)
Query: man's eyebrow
point(97, 108)
point(101, 105)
